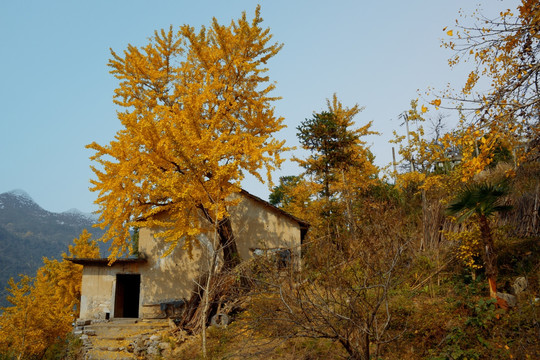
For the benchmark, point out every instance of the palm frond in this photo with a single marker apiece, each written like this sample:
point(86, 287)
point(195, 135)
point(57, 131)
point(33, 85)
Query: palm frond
point(479, 199)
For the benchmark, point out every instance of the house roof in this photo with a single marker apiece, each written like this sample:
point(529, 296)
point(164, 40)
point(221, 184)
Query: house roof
point(304, 226)
point(105, 261)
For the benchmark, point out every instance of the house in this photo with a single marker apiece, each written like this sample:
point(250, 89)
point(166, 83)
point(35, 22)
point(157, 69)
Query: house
point(144, 287)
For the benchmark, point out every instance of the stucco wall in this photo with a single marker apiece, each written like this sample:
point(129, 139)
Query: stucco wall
point(258, 226)
point(254, 225)
point(98, 286)
point(165, 279)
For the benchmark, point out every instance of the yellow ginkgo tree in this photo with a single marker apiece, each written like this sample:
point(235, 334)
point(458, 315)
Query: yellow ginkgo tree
point(197, 116)
point(421, 153)
point(43, 307)
point(501, 93)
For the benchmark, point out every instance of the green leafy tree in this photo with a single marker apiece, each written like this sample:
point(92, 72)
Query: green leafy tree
point(135, 242)
point(331, 145)
point(338, 169)
point(280, 195)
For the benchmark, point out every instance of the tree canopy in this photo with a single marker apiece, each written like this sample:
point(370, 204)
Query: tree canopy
point(44, 307)
point(196, 116)
point(501, 95)
point(333, 143)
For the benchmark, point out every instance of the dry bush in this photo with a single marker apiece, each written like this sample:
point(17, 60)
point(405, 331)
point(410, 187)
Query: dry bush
point(345, 293)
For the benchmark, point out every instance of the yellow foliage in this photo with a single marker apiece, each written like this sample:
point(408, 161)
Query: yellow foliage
point(197, 116)
point(305, 203)
point(83, 247)
point(423, 154)
point(471, 82)
point(506, 58)
point(410, 179)
point(469, 245)
point(43, 308)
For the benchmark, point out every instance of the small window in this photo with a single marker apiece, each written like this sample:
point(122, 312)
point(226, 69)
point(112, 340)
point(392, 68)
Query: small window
point(281, 257)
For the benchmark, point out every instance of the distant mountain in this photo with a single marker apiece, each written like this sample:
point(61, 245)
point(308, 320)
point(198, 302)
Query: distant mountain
point(77, 212)
point(28, 233)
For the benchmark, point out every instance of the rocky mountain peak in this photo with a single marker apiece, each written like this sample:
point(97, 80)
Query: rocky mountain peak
point(28, 233)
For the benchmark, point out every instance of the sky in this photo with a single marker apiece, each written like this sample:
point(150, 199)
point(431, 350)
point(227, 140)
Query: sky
point(56, 90)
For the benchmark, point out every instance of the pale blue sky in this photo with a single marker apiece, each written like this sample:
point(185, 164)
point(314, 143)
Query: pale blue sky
point(56, 91)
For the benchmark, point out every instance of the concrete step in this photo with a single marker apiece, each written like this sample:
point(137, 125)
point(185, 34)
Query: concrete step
point(107, 344)
point(111, 340)
point(119, 334)
point(95, 354)
point(122, 330)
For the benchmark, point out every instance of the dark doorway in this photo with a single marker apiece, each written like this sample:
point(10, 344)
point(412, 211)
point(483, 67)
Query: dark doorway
point(126, 298)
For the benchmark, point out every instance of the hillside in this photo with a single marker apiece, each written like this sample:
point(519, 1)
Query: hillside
point(28, 233)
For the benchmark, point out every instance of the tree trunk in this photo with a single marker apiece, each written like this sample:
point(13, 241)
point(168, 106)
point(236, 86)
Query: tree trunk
point(348, 202)
point(353, 352)
point(366, 345)
point(490, 258)
point(207, 291)
point(534, 230)
point(197, 311)
point(227, 242)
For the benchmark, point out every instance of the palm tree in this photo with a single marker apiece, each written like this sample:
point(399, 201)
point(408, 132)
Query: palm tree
point(482, 201)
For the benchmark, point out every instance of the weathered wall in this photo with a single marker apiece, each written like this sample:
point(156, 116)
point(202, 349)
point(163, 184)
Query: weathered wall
point(165, 279)
point(258, 226)
point(98, 286)
point(254, 225)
